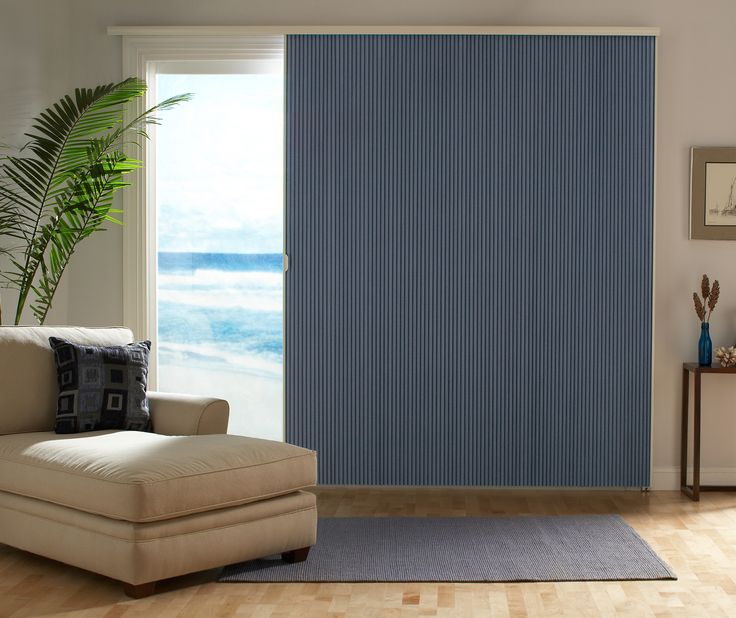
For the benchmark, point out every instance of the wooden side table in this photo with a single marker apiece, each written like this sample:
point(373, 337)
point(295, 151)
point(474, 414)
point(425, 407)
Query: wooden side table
point(693, 491)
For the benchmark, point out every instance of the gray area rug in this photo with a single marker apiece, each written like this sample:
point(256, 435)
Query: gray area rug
point(465, 549)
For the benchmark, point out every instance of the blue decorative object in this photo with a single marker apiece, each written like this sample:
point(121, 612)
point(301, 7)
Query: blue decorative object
point(705, 346)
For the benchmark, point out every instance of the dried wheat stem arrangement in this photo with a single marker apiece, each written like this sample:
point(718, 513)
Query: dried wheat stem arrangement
point(704, 308)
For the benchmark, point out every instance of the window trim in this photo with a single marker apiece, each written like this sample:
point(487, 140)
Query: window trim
point(221, 31)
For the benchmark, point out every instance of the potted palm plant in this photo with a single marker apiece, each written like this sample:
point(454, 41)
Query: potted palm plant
point(59, 188)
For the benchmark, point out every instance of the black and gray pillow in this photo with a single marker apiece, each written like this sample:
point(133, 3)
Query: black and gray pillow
point(101, 387)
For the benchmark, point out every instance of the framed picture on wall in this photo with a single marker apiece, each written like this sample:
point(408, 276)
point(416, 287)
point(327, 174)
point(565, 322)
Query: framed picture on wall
point(713, 193)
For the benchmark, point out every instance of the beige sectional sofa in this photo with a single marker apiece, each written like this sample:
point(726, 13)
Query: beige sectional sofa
point(141, 507)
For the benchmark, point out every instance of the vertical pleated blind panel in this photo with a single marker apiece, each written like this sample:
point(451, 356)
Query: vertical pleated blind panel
point(469, 226)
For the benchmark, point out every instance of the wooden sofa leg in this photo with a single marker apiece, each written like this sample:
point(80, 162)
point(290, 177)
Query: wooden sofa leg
point(138, 591)
point(296, 555)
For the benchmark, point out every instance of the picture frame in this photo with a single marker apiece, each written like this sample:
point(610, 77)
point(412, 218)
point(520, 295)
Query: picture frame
point(713, 193)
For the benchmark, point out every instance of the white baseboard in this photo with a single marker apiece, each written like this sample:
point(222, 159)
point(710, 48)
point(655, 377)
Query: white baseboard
point(668, 478)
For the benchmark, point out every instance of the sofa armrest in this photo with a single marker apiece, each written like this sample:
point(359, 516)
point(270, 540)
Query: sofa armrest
point(187, 415)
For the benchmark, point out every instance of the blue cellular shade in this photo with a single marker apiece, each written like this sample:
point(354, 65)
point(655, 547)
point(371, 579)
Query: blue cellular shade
point(469, 226)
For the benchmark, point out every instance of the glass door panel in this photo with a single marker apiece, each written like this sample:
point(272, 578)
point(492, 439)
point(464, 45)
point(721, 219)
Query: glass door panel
point(219, 196)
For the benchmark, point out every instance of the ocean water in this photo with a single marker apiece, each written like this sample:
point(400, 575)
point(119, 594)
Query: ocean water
point(221, 311)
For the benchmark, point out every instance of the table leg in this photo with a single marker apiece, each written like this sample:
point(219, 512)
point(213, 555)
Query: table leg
point(696, 439)
point(683, 429)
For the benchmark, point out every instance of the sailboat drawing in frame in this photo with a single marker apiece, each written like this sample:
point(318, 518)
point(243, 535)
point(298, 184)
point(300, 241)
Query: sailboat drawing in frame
point(713, 193)
point(720, 194)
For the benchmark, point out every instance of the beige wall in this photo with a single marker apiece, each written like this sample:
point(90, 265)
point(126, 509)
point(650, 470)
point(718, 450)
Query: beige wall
point(48, 47)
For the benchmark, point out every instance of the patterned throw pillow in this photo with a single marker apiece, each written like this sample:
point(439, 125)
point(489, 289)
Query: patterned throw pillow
point(101, 388)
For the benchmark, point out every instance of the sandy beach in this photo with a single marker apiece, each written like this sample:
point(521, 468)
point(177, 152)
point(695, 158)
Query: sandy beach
point(256, 401)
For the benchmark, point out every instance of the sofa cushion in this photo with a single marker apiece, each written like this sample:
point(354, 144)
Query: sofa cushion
point(101, 387)
point(28, 373)
point(136, 476)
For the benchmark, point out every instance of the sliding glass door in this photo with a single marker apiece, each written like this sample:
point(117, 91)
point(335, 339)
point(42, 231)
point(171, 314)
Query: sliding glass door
point(219, 232)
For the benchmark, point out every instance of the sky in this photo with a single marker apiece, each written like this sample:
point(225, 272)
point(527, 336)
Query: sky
point(219, 164)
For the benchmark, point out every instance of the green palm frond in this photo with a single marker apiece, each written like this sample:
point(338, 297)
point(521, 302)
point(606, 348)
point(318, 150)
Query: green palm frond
point(60, 193)
point(90, 208)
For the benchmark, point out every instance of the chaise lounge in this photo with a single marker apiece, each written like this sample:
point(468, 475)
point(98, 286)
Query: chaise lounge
point(137, 506)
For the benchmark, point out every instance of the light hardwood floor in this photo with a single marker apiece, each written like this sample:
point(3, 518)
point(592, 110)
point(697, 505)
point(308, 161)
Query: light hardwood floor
point(698, 540)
